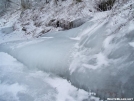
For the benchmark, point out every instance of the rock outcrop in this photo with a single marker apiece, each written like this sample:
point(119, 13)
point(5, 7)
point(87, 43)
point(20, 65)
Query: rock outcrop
point(65, 24)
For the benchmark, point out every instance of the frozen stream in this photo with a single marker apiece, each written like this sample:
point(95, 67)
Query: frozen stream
point(24, 82)
point(91, 57)
point(18, 83)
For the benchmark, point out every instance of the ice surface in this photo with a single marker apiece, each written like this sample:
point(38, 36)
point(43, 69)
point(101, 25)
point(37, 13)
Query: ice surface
point(97, 56)
point(92, 57)
point(52, 58)
point(18, 83)
point(104, 62)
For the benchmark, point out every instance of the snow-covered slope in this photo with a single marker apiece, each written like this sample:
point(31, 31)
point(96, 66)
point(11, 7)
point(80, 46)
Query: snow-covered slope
point(35, 21)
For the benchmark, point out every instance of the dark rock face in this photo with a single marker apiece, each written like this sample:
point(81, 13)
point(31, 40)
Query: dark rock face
point(59, 23)
point(24, 29)
point(105, 5)
point(65, 24)
point(79, 22)
point(52, 23)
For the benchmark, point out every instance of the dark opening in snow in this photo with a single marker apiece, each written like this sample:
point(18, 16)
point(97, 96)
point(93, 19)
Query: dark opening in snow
point(105, 5)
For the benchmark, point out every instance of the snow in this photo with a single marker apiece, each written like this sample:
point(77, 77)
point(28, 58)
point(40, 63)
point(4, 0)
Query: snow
point(18, 83)
point(65, 90)
point(13, 89)
point(96, 63)
point(95, 57)
point(131, 44)
point(36, 20)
